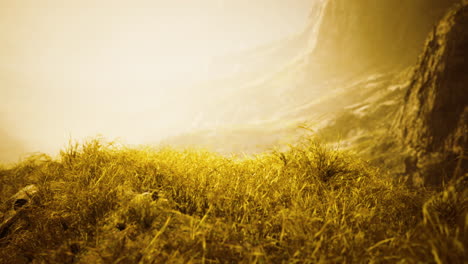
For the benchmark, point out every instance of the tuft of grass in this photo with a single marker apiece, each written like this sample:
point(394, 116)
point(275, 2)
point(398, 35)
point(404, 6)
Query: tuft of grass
point(101, 202)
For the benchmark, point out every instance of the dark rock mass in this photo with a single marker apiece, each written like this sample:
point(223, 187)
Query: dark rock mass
point(433, 120)
point(368, 33)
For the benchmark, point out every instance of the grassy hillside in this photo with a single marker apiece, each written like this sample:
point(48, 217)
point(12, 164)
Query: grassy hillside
point(105, 203)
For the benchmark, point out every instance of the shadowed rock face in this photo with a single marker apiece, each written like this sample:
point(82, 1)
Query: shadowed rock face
point(433, 121)
point(362, 33)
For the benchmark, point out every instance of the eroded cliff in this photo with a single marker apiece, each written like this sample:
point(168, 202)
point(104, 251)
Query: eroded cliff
point(356, 35)
point(433, 121)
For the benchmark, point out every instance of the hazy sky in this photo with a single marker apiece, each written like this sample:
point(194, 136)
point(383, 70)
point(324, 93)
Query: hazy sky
point(82, 67)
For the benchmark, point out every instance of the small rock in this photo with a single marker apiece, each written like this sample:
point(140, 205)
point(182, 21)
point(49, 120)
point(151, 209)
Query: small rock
point(17, 202)
point(121, 226)
point(23, 197)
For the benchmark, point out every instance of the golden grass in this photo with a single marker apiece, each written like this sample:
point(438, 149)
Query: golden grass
point(104, 203)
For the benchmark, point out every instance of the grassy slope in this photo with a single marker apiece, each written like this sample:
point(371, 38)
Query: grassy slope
point(104, 203)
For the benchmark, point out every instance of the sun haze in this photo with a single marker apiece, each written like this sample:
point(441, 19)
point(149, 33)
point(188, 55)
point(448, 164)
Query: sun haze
point(73, 69)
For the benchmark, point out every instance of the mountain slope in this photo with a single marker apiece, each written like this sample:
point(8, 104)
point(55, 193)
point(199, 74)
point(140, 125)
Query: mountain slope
point(348, 44)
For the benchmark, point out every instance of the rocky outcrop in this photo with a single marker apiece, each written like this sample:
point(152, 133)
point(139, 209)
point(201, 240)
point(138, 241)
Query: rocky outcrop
point(433, 121)
point(355, 35)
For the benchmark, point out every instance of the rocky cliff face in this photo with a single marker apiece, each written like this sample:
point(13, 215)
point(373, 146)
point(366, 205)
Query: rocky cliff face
point(433, 121)
point(368, 33)
point(347, 42)
point(344, 38)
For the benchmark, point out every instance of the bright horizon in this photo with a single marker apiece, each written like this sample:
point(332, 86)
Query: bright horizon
point(74, 69)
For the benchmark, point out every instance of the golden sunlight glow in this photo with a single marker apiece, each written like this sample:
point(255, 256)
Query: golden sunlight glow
point(123, 69)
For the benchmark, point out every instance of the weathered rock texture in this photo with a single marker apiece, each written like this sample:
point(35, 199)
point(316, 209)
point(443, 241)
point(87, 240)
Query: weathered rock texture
point(365, 33)
point(433, 120)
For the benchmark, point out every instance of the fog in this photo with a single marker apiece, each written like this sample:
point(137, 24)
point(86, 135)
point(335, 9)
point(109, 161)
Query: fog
point(125, 70)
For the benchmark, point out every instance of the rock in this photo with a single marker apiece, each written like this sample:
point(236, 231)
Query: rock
point(16, 204)
point(358, 34)
point(23, 197)
point(432, 123)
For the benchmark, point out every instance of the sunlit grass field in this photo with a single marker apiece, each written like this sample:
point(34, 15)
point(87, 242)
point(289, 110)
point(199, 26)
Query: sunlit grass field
point(101, 202)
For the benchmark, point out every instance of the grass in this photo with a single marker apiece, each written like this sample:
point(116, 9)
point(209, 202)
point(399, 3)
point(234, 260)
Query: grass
point(106, 203)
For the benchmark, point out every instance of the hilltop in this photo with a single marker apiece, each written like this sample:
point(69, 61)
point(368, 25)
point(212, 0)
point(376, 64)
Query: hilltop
point(103, 203)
